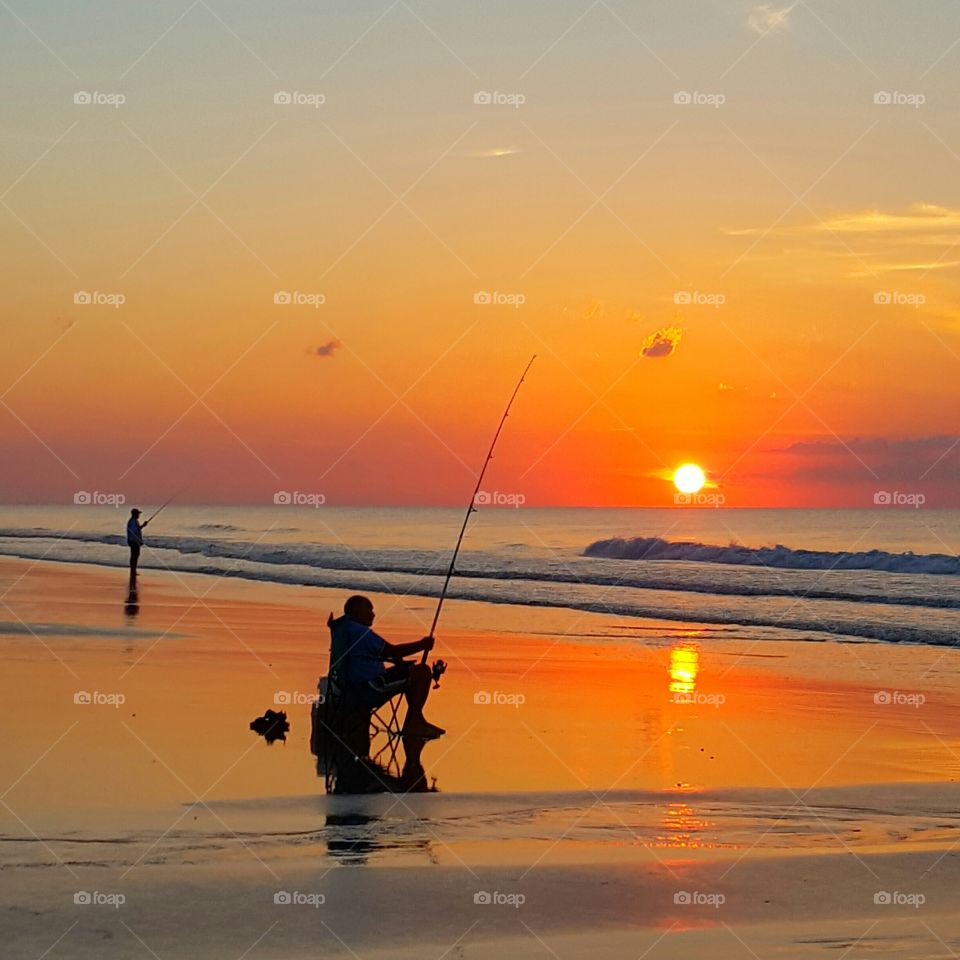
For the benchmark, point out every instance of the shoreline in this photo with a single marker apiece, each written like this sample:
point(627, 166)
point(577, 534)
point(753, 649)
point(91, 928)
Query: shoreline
point(827, 616)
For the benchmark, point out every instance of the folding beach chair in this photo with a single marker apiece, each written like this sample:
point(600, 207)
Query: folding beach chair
point(357, 748)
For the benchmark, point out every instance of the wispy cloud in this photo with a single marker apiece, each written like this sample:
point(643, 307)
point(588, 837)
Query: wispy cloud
point(765, 18)
point(880, 241)
point(920, 218)
point(492, 152)
point(594, 311)
point(898, 267)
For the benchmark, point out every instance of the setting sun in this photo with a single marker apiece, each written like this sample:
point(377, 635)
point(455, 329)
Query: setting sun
point(689, 478)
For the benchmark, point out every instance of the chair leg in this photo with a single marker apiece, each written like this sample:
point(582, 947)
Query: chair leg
point(330, 725)
point(388, 718)
point(348, 742)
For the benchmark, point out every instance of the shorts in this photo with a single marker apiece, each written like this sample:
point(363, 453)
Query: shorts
point(377, 692)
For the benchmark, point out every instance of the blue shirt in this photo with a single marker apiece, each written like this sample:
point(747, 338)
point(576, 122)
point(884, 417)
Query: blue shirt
point(364, 654)
point(133, 532)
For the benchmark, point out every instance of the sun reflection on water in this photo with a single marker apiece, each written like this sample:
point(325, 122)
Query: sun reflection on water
point(684, 666)
point(682, 826)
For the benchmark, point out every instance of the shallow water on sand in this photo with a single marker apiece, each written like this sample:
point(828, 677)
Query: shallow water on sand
point(511, 829)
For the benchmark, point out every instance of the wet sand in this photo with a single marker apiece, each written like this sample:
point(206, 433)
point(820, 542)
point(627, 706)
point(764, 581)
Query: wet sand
point(596, 771)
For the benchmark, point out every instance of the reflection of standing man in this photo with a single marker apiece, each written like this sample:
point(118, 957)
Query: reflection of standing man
point(135, 541)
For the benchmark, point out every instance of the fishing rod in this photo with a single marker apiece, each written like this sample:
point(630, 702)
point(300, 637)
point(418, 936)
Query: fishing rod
point(470, 506)
point(163, 506)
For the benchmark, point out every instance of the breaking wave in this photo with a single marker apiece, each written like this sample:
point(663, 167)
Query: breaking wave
point(779, 556)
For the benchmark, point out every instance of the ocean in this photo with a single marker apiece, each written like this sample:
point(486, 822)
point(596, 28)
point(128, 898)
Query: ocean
point(887, 574)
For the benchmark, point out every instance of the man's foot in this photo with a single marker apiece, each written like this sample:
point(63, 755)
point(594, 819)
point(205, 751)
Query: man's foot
point(421, 730)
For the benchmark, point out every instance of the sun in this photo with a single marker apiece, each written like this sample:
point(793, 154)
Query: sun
point(689, 478)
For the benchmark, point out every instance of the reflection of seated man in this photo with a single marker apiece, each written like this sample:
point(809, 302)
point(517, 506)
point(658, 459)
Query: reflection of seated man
point(371, 684)
point(413, 777)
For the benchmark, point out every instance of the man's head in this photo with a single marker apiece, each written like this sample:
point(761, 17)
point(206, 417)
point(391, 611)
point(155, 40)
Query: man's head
point(134, 513)
point(359, 608)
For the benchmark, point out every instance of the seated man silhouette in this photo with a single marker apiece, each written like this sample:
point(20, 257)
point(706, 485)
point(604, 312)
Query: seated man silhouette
point(368, 682)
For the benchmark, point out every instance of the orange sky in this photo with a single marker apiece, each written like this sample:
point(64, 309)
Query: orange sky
point(770, 230)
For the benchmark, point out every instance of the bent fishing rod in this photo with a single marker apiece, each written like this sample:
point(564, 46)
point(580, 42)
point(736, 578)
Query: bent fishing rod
point(471, 508)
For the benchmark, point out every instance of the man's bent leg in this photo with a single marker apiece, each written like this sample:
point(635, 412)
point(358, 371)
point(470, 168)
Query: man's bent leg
point(418, 689)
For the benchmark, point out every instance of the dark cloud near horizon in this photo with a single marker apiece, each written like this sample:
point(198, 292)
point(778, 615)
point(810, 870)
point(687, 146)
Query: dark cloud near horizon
point(662, 343)
point(909, 461)
point(326, 349)
point(871, 445)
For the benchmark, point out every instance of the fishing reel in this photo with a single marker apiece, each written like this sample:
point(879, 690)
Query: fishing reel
point(438, 670)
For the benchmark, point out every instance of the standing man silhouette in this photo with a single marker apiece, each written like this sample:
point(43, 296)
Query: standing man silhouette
point(134, 542)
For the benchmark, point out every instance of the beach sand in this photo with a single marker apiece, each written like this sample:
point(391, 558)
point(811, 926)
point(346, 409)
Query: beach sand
point(607, 787)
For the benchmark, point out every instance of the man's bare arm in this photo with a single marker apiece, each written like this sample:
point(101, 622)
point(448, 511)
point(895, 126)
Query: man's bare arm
point(397, 651)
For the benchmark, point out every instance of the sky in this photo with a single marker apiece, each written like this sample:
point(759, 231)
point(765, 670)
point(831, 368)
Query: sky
point(290, 246)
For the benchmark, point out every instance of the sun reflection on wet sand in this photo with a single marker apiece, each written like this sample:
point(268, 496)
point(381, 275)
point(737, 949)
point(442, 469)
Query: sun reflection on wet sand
point(684, 667)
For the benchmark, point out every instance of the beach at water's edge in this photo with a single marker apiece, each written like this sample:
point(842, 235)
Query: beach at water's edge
point(606, 786)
